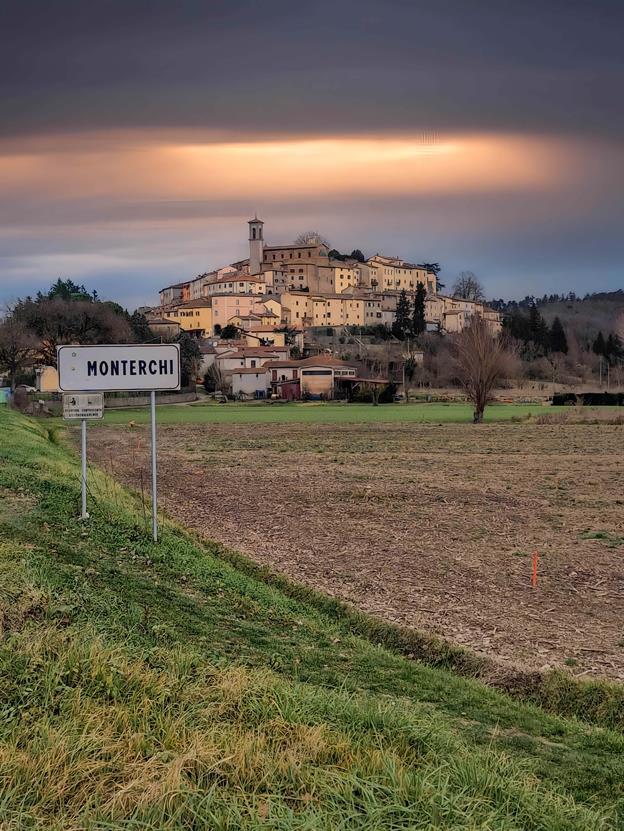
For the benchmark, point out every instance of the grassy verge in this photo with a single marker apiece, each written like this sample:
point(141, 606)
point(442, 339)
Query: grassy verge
point(160, 687)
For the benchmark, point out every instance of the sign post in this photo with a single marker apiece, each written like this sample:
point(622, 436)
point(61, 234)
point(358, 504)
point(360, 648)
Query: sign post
point(111, 368)
point(83, 478)
point(154, 476)
point(83, 407)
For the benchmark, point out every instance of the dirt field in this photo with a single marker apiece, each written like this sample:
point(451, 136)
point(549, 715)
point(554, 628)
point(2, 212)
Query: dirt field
point(432, 526)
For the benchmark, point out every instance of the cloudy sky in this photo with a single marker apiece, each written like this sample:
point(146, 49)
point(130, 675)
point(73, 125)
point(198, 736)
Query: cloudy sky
point(137, 138)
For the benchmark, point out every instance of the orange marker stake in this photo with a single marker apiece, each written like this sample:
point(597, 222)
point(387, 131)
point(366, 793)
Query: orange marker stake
point(534, 575)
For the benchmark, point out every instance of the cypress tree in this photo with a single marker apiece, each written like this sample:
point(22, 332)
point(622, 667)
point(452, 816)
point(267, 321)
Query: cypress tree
point(558, 340)
point(613, 348)
point(402, 326)
point(538, 328)
point(418, 319)
point(599, 345)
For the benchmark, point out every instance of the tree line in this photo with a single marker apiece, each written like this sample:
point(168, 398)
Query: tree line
point(67, 313)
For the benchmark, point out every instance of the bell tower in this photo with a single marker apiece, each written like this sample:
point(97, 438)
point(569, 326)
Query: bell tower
point(256, 245)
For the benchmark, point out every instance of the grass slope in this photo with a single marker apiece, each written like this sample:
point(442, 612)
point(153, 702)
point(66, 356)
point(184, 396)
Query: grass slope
point(322, 413)
point(160, 687)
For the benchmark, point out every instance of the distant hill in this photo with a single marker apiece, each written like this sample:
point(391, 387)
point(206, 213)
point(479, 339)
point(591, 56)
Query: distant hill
point(584, 316)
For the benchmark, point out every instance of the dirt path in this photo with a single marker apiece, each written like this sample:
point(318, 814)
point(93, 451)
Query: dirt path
point(431, 526)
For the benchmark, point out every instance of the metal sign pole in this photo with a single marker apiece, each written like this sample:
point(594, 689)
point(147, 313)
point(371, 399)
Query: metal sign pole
point(84, 514)
point(154, 482)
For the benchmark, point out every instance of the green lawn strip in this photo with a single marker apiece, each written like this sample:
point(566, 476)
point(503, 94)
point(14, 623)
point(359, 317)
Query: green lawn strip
point(320, 413)
point(178, 596)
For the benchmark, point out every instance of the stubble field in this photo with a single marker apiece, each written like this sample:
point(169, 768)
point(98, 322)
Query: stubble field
point(432, 526)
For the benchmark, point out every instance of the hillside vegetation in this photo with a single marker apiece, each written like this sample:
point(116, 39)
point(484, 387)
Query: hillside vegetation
point(154, 687)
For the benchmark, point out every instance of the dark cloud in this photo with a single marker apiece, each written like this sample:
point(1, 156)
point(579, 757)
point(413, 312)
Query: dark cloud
point(211, 70)
point(315, 67)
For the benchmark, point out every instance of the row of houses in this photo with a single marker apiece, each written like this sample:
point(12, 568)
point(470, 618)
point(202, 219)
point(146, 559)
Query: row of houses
point(263, 372)
point(302, 286)
point(262, 316)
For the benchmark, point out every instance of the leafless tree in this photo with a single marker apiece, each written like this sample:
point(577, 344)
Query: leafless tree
point(311, 238)
point(216, 381)
point(481, 360)
point(18, 348)
point(56, 321)
point(468, 287)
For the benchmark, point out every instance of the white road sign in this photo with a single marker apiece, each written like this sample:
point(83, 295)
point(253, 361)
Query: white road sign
point(83, 406)
point(119, 367)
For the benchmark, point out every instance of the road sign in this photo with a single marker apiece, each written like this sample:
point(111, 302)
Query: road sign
point(119, 367)
point(89, 405)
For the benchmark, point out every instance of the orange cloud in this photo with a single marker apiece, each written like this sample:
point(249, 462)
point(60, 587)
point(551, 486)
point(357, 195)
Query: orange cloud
point(151, 167)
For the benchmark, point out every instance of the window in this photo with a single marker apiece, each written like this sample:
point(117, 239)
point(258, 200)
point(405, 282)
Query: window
point(253, 234)
point(253, 364)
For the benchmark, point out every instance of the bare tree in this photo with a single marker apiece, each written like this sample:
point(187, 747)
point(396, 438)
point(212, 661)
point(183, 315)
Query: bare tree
point(468, 287)
point(55, 322)
point(311, 238)
point(481, 360)
point(18, 348)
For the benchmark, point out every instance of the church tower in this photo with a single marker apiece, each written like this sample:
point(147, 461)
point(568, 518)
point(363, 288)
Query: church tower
point(256, 245)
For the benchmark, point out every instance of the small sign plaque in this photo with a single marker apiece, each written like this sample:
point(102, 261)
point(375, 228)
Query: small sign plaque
point(83, 406)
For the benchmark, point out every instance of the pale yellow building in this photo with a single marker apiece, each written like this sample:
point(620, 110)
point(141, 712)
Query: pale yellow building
point(234, 283)
point(393, 273)
point(47, 379)
point(194, 317)
point(353, 310)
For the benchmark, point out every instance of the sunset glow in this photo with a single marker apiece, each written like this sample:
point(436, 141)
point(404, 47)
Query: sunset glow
point(126, 168)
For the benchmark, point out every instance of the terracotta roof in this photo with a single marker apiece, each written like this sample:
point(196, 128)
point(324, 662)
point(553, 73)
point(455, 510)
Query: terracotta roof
point(152, 321)
point(233, 277)
point(253, 352)
point(315, 360)
point(206, 303)
point(277, 364)
point(293, 246)
point(249, 370)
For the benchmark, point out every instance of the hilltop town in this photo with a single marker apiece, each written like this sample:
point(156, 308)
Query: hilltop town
point(280, 296)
